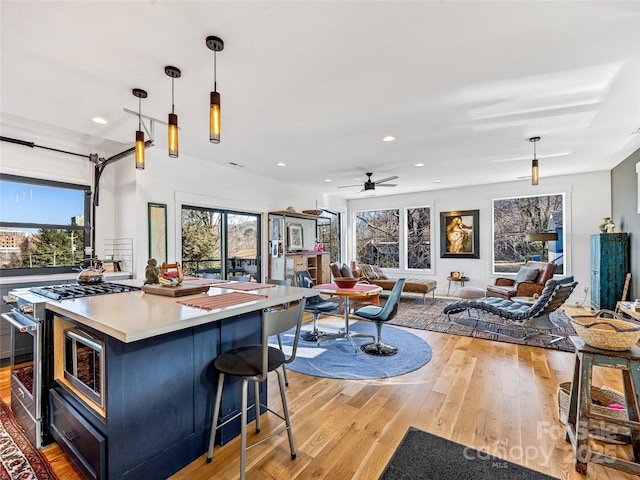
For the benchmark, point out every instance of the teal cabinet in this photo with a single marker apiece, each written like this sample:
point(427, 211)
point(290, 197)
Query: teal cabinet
point(609, 266)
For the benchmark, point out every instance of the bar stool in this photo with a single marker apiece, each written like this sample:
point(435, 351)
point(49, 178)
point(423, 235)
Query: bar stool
point(579, 416)
point(253, 363)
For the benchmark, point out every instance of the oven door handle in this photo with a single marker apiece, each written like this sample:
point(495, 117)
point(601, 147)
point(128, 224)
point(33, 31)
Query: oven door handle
point(26, 325)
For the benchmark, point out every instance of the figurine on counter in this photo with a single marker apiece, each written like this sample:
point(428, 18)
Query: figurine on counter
point(152, 272)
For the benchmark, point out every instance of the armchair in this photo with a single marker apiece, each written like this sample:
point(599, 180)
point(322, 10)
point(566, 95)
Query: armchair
point(530, 280)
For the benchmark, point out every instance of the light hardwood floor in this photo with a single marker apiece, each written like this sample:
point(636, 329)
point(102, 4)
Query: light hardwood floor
point(496, 397)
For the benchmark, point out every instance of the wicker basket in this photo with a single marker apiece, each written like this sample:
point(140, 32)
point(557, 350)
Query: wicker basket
point(601, 398)
point(606, 333)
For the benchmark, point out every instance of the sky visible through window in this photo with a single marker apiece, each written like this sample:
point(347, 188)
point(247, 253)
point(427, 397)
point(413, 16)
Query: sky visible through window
point(25, 203)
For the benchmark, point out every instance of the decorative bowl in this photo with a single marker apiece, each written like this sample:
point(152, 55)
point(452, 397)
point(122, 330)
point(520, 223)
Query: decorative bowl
point(345, 282)
point(606, 333)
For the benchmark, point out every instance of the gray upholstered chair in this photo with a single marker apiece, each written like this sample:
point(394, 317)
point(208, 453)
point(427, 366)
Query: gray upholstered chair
point(252, 363)
point(315, 306)
point(381, 315)
point(527, 316)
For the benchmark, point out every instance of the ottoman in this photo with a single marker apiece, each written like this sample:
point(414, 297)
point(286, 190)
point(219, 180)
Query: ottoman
point(471, 292)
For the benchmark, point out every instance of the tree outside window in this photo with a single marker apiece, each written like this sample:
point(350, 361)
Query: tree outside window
point(377, 237)
point(513, 218)
point(419, 238)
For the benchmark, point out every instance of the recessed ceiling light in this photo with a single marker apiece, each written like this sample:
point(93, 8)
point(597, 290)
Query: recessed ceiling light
point(437, 180)
point(281, 164)
point(327, 180)
point(419, 165)
point(99, 120)
point(389, 138)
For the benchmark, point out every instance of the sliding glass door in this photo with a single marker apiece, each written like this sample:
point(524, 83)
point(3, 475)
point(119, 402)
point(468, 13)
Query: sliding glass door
point(221, 243)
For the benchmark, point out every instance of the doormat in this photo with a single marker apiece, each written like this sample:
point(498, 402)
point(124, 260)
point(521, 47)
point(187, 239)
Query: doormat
point(423, 456)
point(18, 458)
point(412, 313)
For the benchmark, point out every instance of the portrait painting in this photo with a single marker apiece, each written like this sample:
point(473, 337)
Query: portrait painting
point(459, 234)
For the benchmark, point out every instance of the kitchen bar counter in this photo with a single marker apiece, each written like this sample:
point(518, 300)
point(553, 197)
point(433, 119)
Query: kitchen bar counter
point(134, 316)
point(159, 382)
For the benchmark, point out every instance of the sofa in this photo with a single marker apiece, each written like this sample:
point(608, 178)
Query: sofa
point(374, 275)
point(529, 280)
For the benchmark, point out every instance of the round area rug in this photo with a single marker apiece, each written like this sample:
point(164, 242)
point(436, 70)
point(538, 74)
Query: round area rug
point(337, 358)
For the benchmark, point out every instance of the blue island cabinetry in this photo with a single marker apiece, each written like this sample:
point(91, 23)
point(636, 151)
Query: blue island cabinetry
point(609, 267)
point(158, 400)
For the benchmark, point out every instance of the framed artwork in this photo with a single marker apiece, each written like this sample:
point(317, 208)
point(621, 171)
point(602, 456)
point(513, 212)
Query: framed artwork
point(460, 234)
point(295, 236)
point(158, 232)
point(275, 229)
point(274, 248)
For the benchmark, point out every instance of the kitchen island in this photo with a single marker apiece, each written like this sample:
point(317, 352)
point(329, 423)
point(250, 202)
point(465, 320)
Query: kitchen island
point(158, 385)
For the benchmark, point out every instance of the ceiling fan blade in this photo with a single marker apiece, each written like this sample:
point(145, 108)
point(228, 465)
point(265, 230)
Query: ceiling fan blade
point(377, 182)
point(386, 185)
point(349, 186)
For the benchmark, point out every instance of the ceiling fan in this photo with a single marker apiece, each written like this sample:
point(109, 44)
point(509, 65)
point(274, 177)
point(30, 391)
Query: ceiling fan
point(370, 185)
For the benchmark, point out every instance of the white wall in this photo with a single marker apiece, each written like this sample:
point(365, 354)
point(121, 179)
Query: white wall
point(588, 199)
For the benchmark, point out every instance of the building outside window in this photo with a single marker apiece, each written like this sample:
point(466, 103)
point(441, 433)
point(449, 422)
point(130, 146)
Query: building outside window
point(42, 225)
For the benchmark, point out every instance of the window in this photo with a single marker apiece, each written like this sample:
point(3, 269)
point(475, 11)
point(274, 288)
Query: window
point(220, 243)
point(44, 225)
point(513, 218)
point(328, 233)
point(419, 238)
point(377, 237)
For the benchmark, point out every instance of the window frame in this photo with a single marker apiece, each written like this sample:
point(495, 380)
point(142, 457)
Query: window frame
point(86, 227)
point(405, 216)
point(355, 233)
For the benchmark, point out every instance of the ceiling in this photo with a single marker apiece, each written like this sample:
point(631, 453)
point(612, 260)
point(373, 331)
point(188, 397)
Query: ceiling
point(317, 85)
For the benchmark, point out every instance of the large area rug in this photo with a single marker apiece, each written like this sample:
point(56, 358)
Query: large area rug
point(413, 313)
point(337, 358)
point(422, 455)
point(18, 459)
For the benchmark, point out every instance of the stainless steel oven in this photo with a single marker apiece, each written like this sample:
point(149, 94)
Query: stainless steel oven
point(26, 337)
point(31, 357)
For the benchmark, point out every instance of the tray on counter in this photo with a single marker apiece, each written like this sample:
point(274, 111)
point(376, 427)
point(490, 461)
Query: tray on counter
point(178, 291)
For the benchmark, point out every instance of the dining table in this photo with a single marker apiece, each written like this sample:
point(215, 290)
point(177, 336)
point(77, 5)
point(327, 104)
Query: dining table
point(359, 291)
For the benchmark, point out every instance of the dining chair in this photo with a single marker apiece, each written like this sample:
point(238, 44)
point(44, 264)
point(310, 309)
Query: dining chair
point(315, 306)
point(381, 315)
point(253, 363)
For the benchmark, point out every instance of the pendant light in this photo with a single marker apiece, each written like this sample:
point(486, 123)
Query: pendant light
point(137, 92)
point(172, 140)
point(216, 44)
point(535, 174)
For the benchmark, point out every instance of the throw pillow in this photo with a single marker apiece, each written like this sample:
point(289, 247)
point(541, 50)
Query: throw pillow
point(346, 271)
point(526, 274)
point(380, 275)
point(367, 271)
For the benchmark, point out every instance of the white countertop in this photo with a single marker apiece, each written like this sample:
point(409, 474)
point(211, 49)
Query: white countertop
point(137, 315)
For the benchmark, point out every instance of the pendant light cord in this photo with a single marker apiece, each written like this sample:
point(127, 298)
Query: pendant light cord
point(215, 78)
point(172, 105)
point(139, 112)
